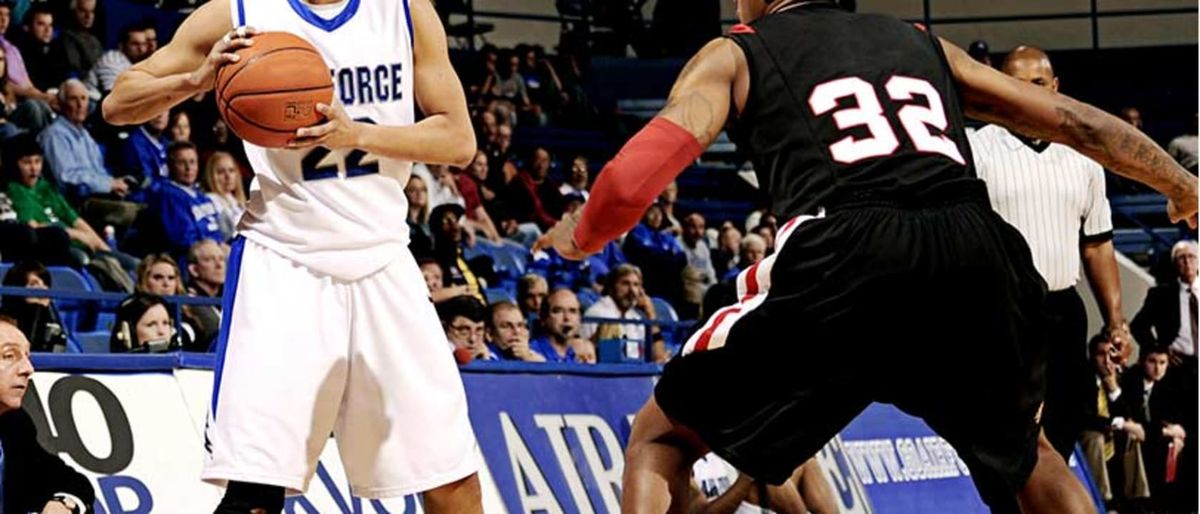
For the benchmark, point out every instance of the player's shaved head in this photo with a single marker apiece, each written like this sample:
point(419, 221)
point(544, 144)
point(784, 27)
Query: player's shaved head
point(1031, 64)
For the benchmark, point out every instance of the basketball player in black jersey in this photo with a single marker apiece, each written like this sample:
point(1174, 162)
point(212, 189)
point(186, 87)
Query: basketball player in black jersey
point(892, 265)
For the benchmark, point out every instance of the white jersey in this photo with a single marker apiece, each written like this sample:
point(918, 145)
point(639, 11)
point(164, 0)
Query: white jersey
point(715, 476)
point(340, 213)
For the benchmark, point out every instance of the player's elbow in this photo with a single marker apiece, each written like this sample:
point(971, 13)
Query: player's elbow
point(114, 113)
point(462, 151)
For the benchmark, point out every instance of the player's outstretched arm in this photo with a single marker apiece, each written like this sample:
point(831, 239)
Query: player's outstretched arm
point(994, 97)
point(443, 137)
point(179, 70)
point(695, 113)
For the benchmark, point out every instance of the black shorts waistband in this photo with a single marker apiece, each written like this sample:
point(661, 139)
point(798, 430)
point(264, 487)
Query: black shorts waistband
point(939, 195)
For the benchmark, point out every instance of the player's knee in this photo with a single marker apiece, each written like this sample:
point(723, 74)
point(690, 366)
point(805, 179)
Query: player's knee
point(243, 498)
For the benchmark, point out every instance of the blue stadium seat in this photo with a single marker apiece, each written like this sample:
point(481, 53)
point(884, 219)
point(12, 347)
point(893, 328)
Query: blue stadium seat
point(93, 342)
point(499, 294)
point(586, 298)
point(76, 314)
point(664, 310)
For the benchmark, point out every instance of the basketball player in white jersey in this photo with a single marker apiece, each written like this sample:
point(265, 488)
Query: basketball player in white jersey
point(718, 488)
point(328, 326)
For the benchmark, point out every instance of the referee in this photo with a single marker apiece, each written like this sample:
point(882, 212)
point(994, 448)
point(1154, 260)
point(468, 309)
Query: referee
point(1055, 197)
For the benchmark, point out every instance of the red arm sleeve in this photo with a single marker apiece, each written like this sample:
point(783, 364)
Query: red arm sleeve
point(631, 181)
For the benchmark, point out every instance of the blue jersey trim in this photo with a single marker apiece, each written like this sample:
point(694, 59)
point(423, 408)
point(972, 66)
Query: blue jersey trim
point(241, 13)
point(328, 25)
point(231, 284)
point(408, 19)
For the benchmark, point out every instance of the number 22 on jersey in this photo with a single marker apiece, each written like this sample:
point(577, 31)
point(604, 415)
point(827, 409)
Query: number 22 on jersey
point(917, 120)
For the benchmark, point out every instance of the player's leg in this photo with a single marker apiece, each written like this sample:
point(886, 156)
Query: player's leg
point(1052, 488)
point(403, 428)
point(243, 498)
point(658, 463)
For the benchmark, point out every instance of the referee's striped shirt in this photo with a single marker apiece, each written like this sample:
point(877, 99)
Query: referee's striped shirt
point(1052, 194)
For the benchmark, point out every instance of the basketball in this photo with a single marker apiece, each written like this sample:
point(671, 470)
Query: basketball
point(273, 89)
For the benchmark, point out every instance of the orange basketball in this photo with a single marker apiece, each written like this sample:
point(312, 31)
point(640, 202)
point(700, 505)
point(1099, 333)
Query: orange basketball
point(273, 89)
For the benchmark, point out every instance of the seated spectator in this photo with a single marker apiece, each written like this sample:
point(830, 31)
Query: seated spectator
point(431, 271)
point(33, 108)
point(541, 81)
point(36, 317)
point(143, 155)
point(81, 48)
point(143, 325)
point(133, 47)
point(22, 242)
point(766, 230)
point(508, 87)
point(509, 334)
point(1133, 116)
point(187, 214)
point(440, 183)
point(624, 299)
point(499, 152)
point(477, 216)
point(544, 200)
point(513, 207)
point(35, 480)
point(666, 201)
point(76, 162)
point(531, 293)
point(448, 250)
point(699, 274)
point(222, 183)
point(179, 126)
point(1186, 148)
point(45, 58)
point(39, 204)
point(577, 181)
point(560, 323)
point(1160, 322)
point(648, 247)
point(729, 244)
point(206, 269)
point(159, 275)
point(420, 240)
point(8, 109)
point(1111, 432)
point(463, 319)
point(753, 249)
point(1155, 405)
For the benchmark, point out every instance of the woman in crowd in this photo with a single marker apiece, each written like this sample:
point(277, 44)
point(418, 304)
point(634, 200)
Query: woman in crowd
point(143, 325)
point(159, 275)
point(179, 127)
point(222, 182)
point(420, 240)
point(36, 317)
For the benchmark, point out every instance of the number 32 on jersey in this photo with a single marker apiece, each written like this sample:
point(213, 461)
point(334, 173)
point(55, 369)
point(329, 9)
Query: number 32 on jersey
point(917, 120)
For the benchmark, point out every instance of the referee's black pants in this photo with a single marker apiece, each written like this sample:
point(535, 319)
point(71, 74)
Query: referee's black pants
point(1067, 370)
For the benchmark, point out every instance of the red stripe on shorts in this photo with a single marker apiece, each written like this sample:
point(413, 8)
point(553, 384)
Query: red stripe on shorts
point(702, 342)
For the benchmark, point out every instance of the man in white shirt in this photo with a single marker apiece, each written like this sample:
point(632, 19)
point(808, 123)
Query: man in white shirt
point(134, 47)
point(625, 299)
point(1056, 198)
point(1168, 318)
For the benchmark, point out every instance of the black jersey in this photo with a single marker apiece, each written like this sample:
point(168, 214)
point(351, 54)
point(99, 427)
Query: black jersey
point(847, 106)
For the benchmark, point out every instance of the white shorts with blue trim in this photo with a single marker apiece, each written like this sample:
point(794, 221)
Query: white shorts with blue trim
point(302, 356)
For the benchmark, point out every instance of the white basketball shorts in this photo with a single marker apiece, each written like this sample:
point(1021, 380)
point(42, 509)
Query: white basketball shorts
point(302, 356)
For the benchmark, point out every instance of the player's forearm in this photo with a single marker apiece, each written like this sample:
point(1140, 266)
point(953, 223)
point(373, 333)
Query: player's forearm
point(437, 139)
point(1100, 265)
point(139, 96)
point(1119, 147)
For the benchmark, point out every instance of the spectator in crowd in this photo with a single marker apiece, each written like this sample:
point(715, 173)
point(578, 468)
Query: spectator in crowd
point(499, 162)
point(32, 110)
point(543, 191)
point(767, 231)
point(431, 271)
point(980, 52)
point(729, 244)
point(509, 334)
point(1110, 432)
point(35, 316)
point(179, 126)
point(36, 480)
point(45, 58)
point(159, 275)
point(541, 81)
point(1155, 405)
point(151, 39)
point(186, 213)
point(667, 201)
point(420, 239)
point(1186, 147)
point(143, 155)
point(508, 88)
point(206, 269)
point(448, 250)
point(699, 274)
point(752, 250)
point(577, 182)
point(648, 247)
point(133, 47)
point(624, 299)
point(22, 242)
point(143, 325)
point(1168, 318)
point(39, 204)
point(560, 324)
point(463, 320)
point(222, 183)
point(531, 293)
point(488, 127)
point(483, 77)
point(477, 215)
point(81, 47)
point(441, 184)
point(9, 105)
point(1133, 116)
point(76, 162)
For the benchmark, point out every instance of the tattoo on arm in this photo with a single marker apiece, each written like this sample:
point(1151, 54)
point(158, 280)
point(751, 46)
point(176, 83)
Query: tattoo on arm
point(695, 113)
